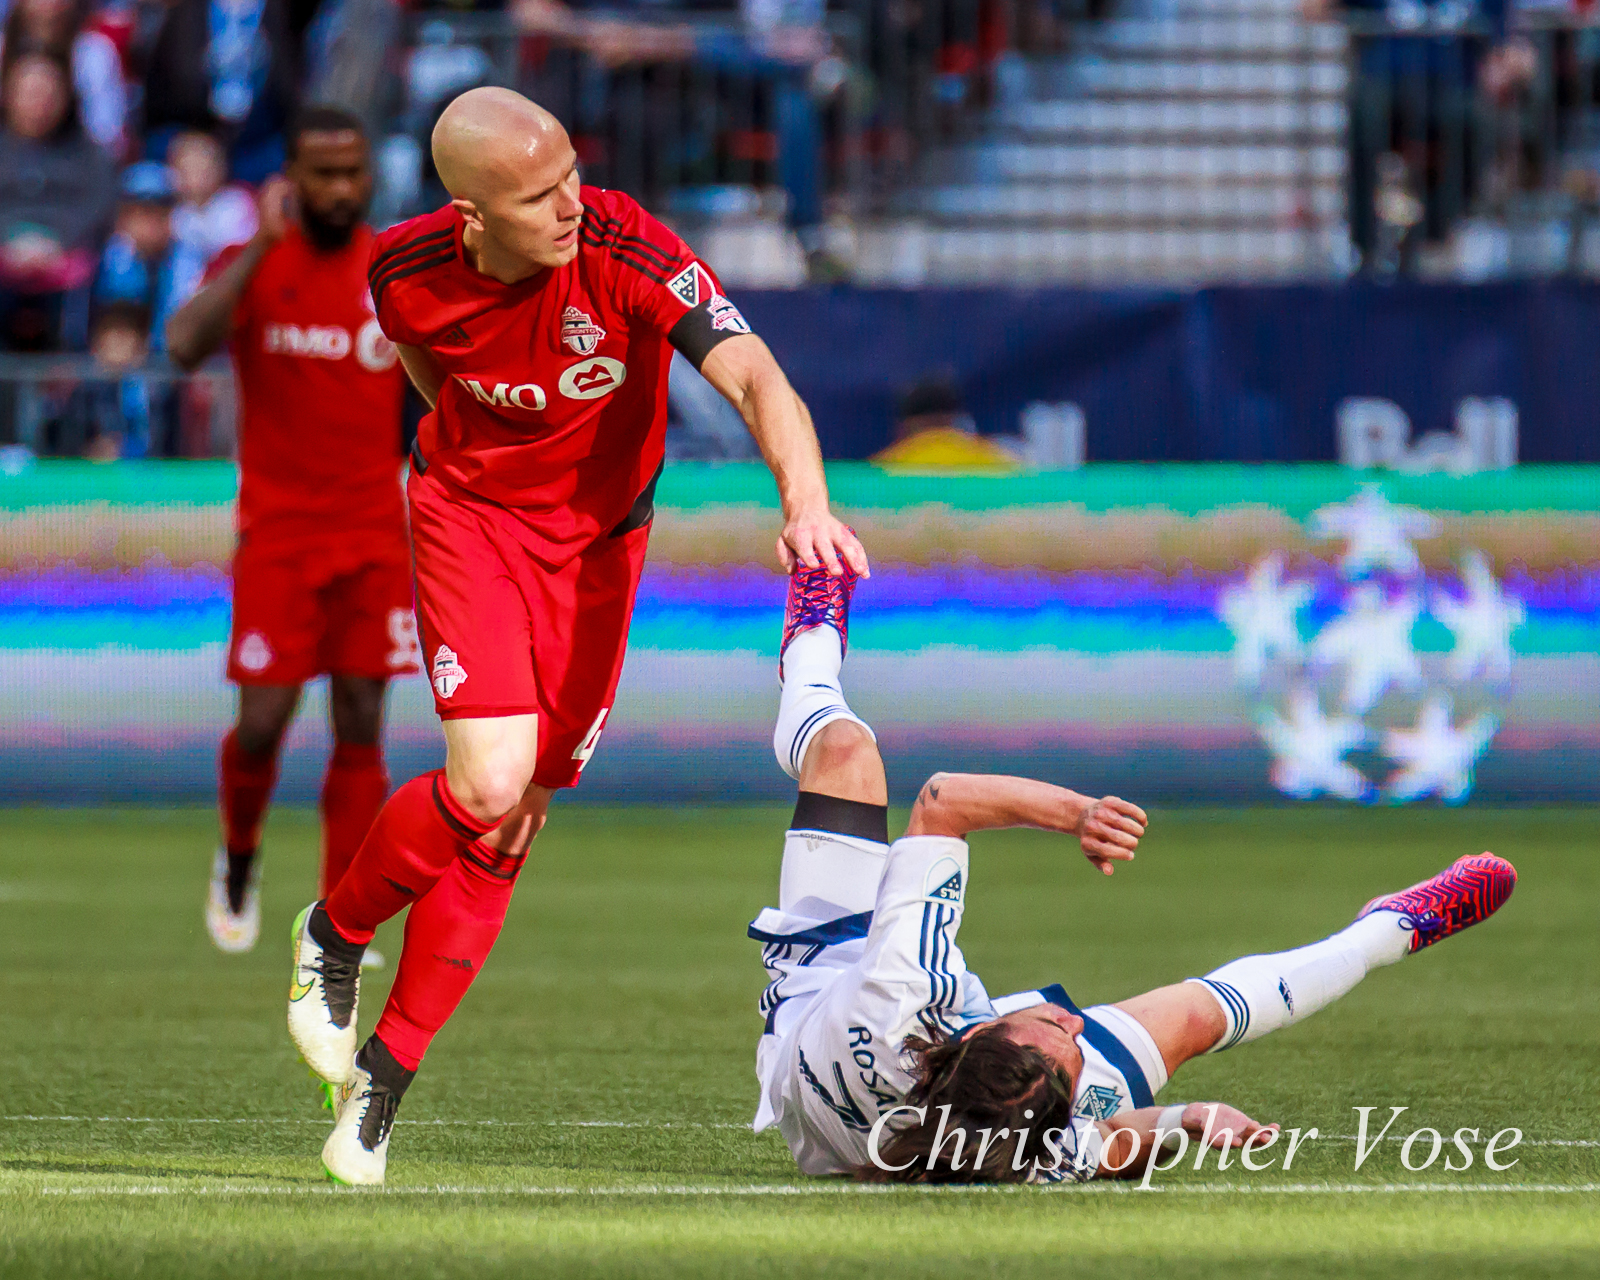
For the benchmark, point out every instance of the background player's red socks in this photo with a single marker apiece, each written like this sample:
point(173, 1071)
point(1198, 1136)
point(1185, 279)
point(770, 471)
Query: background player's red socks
point(352, 794)
point(418, 834)
point(244, 787)
point(448, 937)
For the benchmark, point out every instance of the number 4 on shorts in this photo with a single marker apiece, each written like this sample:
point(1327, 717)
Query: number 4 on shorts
point(591, 739)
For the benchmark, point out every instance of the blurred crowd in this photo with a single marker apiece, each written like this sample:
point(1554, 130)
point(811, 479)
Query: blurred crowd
point(133, 134)
point(135, 131)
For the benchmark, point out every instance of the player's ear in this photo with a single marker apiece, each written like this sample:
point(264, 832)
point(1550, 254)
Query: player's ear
point(469, 213)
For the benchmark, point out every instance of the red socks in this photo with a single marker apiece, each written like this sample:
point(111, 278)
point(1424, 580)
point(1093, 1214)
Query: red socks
point(352, 794)
point(419, 833)
point(449, 935)
point(244, 787)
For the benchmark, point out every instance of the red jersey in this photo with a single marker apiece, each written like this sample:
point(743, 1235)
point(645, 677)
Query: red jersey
point(555, 398)
point(319, 440)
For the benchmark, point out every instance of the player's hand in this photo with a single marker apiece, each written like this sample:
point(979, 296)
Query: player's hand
point(1109, 832)
point(276, 208)
point(810, 538)
point(1196, 1115)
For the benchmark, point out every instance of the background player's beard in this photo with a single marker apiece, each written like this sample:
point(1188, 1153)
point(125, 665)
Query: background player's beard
point(331, 232)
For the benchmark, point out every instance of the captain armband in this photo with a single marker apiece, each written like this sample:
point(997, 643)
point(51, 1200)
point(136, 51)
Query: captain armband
point(711, 318)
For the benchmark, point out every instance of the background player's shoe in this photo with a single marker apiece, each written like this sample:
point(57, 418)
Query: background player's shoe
point(816, 597)
point(323, 995)
point(372, 958)
point(1469, 890)
point(357, 1151)
point(233, 932)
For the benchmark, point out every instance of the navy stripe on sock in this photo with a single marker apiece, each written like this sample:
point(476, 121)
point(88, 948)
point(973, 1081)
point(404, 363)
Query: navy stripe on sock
point(796, 747)
point(1238, 1006)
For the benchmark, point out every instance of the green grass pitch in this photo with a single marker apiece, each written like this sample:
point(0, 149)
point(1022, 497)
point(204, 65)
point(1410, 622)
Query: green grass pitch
point(584, 1114)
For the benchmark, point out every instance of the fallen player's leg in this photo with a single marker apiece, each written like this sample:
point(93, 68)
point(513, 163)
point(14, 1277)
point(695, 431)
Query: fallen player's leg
point(1254, 995)
point(1109, 1052)
point(816, 628)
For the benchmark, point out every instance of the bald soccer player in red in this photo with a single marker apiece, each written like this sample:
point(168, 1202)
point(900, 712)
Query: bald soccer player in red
point(538, 318)
point(322, 571)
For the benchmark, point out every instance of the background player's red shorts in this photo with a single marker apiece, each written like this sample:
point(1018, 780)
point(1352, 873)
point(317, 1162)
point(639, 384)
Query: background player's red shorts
point(340, 609)
point(504, 634)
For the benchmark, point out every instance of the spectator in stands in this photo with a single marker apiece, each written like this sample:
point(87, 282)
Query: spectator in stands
point(56, 193)
point(56, 28)
point(229, 68)
point(110, 416)
point(140, 264)
point(934, 431)
point(781, 41)
point(212, 213)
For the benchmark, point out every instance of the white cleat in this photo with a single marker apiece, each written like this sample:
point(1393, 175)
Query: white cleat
point(323, 996)
point(232, 933)
point(372, 958)
point(357, 1151)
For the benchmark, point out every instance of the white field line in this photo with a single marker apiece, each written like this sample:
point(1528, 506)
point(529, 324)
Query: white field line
point(834, 1189)
point(562, 1124)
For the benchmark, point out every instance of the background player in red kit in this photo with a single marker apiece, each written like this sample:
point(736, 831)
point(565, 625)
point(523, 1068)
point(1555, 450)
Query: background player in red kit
point(322, 574)
point(538, 318)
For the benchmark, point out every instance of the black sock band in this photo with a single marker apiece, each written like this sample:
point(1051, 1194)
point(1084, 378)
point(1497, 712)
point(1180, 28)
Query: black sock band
point(814, 811)
point(376, 1060)
point(322, 932)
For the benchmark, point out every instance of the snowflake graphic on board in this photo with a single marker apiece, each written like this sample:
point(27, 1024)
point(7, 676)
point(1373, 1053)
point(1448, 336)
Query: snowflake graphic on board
point(1326, 685)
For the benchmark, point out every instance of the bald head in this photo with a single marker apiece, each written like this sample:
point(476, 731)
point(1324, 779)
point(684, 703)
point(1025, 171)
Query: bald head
point(488, 139)
point(513, 177)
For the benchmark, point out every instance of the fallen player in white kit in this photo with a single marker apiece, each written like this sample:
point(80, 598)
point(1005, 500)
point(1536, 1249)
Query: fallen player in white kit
point(882, 1054)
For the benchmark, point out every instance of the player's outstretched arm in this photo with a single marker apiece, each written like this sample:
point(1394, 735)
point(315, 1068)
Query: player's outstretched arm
point(954, 804)
point(745, 372)
point(201, 325)
point(1133, 1138)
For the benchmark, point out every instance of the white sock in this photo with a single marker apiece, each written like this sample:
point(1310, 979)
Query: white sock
point(812, 697)
point(1259, 994)
point(827, 875)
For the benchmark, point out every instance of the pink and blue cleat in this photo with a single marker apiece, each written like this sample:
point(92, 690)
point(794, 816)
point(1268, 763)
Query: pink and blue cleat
point(815, 598)
point(1470, 889)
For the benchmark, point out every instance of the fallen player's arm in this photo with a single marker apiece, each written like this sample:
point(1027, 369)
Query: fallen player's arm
point(955, 804)
point(426, 374)
point(748, 376)
point(1135, 1138)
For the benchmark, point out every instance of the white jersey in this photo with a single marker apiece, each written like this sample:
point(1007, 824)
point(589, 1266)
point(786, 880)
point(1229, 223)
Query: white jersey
point(846, 990)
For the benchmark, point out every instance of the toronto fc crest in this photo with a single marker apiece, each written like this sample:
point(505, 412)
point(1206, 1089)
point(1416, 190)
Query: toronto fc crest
point(447, 673)
point(579, 332)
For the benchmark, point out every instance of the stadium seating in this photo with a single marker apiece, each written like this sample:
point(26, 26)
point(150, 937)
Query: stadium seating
point(1202, 144)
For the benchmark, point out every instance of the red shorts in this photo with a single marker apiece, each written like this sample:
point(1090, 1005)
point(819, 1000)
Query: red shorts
point(300, 612)
point(505, 634)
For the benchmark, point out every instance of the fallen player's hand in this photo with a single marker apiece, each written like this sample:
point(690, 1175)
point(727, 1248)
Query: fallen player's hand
point(1109, 832)
point(811, 538)
point(1230, 1127)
